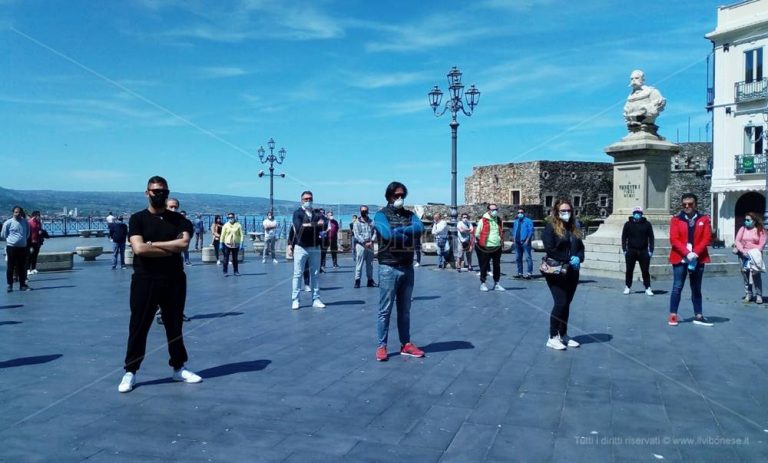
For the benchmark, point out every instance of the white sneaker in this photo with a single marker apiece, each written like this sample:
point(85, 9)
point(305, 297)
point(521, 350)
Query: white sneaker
point(34, 272)
point(648, 291)
point(274, 261)
point(218, 262)
point(498, 287)
point(186, 376)
point(555, 343)
point(127, 383)
point(416, 264)
point(626, 290)
point(483, 287)
point(569, 342)
point(29, 272)
point(295, 305)
point(307, 288)
point(263, 260)
point(318, 304)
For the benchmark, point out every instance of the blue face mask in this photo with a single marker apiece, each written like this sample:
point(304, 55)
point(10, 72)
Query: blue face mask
point(749, 223)
point(637, 216)
point(520, 216)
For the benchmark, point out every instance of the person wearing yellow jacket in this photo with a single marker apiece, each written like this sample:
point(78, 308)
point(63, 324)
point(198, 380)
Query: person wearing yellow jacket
point(231, 239)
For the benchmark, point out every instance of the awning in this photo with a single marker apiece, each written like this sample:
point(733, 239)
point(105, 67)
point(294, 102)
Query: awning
point(738, 187)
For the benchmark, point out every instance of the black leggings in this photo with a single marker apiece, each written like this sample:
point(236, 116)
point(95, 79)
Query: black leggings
point(34, 250)
point(147, 293)
point(17, 261)
point(235, 255)
point(562, 288)
point(216, 244)
point(486, 256)
point(638, 255)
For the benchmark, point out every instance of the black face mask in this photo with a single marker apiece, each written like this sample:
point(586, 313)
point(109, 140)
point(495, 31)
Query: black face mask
point(157, 201)
point(364, 214)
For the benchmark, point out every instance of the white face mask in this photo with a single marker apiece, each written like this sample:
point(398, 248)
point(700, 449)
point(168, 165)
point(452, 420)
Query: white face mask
point(398, 203)
point(565, 216)
point(307, 204)
point(494, 213)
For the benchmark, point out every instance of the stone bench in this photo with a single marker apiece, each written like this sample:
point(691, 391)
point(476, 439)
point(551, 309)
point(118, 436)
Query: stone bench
point(89, 253)
point(209, 255)
point(51, 261)
point(537, 245)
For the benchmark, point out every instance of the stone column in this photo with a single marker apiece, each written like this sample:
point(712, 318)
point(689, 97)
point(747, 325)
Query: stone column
point(641, 177)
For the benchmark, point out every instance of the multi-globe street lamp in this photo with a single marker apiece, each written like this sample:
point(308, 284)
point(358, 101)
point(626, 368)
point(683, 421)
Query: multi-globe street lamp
point(271, 159)
point(458, 101)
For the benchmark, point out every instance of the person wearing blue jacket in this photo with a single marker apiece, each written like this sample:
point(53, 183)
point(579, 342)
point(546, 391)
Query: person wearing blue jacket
point(522, 233)
point(396, 230)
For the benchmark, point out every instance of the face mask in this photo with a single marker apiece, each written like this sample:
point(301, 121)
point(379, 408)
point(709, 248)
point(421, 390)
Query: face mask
point(307, 204)
point(157, 201)
point(565, 216)
point(465, 219)
point(398, 203)
point(637, 216)
point(364, 214)
point(520, 216)
point(231, 220)
point(748, 223)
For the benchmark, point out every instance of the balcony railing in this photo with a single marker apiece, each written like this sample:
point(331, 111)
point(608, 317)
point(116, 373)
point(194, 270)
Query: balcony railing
point(710, 97)
point(750, 164)
point(751, 91)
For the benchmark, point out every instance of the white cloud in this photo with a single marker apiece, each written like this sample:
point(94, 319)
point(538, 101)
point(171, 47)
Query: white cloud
point(386, 79)
point(215, 72)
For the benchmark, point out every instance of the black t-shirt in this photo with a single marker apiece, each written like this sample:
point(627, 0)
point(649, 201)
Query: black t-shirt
point(167, 226)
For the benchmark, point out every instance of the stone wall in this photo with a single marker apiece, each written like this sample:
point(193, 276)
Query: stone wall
point(691, 172)
point(537, 180)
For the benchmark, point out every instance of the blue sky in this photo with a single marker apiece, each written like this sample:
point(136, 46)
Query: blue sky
point(102, 95)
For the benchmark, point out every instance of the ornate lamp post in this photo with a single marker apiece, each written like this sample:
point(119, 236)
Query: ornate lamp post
point(271, 159)
point(454, 104)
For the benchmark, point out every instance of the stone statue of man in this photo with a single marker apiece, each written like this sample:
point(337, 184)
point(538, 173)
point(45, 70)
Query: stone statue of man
point(643, 104)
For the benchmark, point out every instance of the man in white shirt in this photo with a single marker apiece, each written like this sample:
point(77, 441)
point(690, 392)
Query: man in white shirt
point(270, 236)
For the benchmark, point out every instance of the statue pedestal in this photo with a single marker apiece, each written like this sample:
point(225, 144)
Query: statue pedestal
point(641, 176)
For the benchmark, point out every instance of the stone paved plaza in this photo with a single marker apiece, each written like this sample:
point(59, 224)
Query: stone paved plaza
point(303, 386)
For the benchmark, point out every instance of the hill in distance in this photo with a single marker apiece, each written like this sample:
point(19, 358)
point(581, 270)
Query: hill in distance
point(100, 203)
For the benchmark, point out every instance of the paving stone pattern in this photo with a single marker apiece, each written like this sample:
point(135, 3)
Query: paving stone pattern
point(299, 386)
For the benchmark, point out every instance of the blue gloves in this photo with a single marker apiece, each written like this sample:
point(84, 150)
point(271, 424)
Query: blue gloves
point(650, 254)
point(575, 262)
point(398, 230)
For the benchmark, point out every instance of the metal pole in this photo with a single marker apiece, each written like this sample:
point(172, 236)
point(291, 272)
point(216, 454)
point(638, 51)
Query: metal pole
point(271, 188)
point(454, 135)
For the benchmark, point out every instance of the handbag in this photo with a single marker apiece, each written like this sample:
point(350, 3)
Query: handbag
point(552, 267)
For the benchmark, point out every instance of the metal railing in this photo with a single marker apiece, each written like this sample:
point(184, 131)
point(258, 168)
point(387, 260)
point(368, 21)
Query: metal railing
point(710, 97)
point(751, 91)
point(750, 164)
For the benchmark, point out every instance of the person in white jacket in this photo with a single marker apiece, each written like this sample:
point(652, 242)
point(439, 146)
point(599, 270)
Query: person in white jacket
point(440, 233)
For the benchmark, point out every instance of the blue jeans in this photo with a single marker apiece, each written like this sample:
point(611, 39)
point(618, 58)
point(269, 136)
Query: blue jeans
point(521, 247)
point(395, 286)
point(442, 250)
point(118, 249)
point(300, 258)
point(680, 271)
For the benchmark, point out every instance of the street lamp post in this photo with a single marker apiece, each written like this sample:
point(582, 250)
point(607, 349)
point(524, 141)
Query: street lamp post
point(271, 159)
point(455, 104)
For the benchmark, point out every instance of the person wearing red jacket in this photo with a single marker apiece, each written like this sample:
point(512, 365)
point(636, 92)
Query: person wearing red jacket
point(689, 234)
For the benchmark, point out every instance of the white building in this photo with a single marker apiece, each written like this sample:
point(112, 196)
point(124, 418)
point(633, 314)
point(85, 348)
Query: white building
point(738, 101)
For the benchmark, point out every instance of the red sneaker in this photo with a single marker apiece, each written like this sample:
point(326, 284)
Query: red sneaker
point(411, 350)
point(672, 319)
point(381, 354)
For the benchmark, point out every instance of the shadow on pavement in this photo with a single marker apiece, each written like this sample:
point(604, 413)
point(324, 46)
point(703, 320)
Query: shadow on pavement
point(250, 274)
point(593, 338)
point(331, 288)
point(445, 346)
point(21, 361)
point(232, 368)
point(425, 298)
point(42, 288)
point(352, 302)
point(11, 306)
point(9, 323)
point(712, 319)
point(214, 315)
point(587, 281)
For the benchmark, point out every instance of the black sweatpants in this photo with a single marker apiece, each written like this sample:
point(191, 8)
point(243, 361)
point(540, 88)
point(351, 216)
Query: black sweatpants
point(638, 255)
point(34, 250)
point(234, 252)
point(147, 293)
point(562, 288)
point(17, 262)
point(485, 257)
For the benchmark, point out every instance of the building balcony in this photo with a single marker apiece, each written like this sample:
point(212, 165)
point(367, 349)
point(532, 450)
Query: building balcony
point(710, 98)
point(751, 91)
point(747, 164)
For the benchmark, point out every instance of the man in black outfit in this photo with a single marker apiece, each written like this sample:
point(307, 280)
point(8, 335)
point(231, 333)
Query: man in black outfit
point(637, 244)
point(157, 236)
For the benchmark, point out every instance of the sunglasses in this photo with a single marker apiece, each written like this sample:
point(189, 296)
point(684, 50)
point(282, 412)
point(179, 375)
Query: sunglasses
point(160, 191)
point(398, 195)
point(688, 204)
